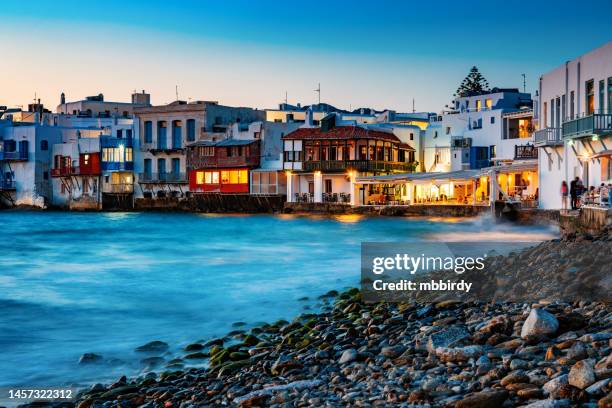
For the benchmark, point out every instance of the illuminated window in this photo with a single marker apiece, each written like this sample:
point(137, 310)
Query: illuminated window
point(86, 160)
point(488, 103)
point(243, 177)
point(128, 154)
point(478, 105)
point(234, 177)
point(200, 177)
point(208, 177)
point(225, 179)
point(590, 96)
point(215, 177)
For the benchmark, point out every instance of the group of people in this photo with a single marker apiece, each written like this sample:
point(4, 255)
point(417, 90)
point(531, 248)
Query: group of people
point(579, 194)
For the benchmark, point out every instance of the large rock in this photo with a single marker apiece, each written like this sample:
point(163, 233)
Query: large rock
point(153, 347)
point(90, 358)
point(348, 356)
point(582, 374)
point(449, 337)
point(448, 354)
point(539, 324)
point(553, 387)
point(484, 399)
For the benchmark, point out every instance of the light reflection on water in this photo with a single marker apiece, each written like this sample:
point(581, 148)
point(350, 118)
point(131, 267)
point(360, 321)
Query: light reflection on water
point(109, 282)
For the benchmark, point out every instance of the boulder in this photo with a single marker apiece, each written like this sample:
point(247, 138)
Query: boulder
point(582, 374)
point(484, 399)
point(539, 325)
point(449, 337)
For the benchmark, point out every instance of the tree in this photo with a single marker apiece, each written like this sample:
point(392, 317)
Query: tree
point(473, 84)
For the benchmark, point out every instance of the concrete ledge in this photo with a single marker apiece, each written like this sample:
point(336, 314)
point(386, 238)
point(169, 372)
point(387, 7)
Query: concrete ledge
point(395, 210)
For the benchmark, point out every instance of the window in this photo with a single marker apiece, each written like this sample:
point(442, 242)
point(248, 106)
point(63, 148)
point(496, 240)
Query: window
point(552, 113)
point(119, 133)
point(478, 105)
point(86, 160)
point(199, 177)
point(225, 179)
point(563, 108)
point(190, 130)
point(229, 151)
point(45, 175)
point(435, 134)
point(602, 87)
point(161, 166)
point(206, 151)
point(572, 105)
point(44, 145)
point(328, 186)
point(589, 89)
point(448, 130)
point(488, 103)
point(85, 185)
point(545, 112)
point(214, 177)
point(148, 132)
point(492, 151)
point(128, 133)
point(412, 136)
point(148, 167)
point(492, 120)
point(128, 154)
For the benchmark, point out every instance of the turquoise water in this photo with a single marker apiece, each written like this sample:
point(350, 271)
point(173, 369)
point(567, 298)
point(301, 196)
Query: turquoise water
point(107, 283)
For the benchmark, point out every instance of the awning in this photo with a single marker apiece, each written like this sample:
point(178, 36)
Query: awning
point(421, 178)
point(511, 168)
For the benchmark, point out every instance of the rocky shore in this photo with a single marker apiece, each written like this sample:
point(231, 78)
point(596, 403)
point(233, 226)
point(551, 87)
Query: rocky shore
point(353, 354)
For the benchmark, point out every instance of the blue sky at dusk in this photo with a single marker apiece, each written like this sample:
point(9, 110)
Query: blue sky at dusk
point(380, 54)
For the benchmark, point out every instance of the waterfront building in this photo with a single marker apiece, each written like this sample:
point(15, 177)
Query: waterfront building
point(269, 177)
point(479, 131)
point(223, 166)
point(75, 174)
point(165, 131)
point(25, 159)
point(574, 116)
point(321, 163)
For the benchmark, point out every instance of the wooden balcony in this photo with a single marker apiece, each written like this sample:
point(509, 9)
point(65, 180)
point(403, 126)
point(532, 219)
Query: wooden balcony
point(358, 165)
point(548, 137)
point(591, 125)
point(121, 188)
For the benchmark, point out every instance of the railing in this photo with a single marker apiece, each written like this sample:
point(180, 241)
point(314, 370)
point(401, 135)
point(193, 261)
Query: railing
point(8, 185)
point(119, 188)
point(162, 178)
point(344, 198)
point(594, 124)
point(525, 152)
point(359, 165)
point(548, 136)
point(65, 171)
point(16, 155)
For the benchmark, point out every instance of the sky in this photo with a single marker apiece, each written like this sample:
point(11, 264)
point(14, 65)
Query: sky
point(379, 54)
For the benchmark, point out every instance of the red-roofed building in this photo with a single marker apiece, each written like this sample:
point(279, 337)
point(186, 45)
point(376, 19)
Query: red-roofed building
point(322, 162)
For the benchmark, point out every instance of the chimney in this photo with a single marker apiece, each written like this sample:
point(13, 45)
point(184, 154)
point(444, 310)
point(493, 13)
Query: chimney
point(62, 98)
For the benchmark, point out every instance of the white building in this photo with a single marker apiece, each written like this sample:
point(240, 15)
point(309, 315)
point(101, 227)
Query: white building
point(269, 178)
point(575, 122)
point(25, 163)
point(480, 131)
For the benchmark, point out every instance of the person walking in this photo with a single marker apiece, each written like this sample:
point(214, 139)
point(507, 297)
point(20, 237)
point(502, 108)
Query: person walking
point(564, 194)
point(574, 193)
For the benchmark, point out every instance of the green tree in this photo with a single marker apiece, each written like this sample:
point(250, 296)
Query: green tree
point(473, 84)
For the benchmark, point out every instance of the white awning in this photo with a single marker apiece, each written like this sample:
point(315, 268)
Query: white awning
point(421, 178)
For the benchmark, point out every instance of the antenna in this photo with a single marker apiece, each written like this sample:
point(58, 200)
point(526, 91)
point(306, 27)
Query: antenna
point(413, 110)
point(318, 90)
point(524, 83)
point(286, 100)
point(176, 90)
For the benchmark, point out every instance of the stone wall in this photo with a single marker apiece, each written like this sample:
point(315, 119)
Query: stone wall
point(217, 203)
point(590, 220)
point(396, 210)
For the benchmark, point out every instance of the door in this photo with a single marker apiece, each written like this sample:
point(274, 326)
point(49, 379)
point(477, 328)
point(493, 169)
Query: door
point(161, 135)
point(148, 168)
point(161, 169)
point(176, 134)
point(176, 167)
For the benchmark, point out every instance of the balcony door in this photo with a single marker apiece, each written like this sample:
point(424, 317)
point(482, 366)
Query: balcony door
point(161, 168)
point(177, 134)
point(176, 166)
point(161, 135)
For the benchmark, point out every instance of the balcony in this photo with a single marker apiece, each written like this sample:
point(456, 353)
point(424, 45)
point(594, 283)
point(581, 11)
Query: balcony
point(163, 178)
point(8, 185)
point(121, 188)
point(358, 165)
point(594, 124)
point(548, 137)
point(65, 172)
point(14, 156)
point(525, 152)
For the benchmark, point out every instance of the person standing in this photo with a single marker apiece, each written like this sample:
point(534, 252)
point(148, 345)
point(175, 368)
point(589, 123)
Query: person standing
point(564, 194)
point(574, 193)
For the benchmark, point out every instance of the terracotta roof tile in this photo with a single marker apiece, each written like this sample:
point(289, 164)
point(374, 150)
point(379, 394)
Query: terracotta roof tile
point(341, 132)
